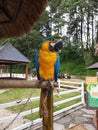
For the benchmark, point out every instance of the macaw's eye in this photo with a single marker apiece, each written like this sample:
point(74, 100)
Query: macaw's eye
point(54, 40)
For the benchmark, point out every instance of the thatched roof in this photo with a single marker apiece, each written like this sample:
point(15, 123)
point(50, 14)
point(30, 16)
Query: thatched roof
point(17, 17)
point(10, 55)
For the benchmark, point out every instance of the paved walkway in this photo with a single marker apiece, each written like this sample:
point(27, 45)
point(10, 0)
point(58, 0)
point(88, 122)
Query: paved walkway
point(82, 116)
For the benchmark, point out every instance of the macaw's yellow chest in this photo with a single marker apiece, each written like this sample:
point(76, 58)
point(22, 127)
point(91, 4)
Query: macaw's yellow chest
point(47, 60)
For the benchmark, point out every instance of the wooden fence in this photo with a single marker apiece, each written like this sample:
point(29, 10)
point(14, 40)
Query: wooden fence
point(67, 86)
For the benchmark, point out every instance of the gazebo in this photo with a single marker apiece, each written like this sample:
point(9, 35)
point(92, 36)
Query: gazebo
point(9, 55)
point(93, 66)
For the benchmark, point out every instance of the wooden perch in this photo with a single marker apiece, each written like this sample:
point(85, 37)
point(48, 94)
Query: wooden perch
point(25, 84)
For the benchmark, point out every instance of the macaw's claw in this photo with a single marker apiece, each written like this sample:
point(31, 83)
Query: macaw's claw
point(41, 80)
point(50, 84)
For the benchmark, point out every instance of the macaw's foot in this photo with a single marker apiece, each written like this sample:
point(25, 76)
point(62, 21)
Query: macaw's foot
point(41, 80)
point(46, 84)
point(50, 84)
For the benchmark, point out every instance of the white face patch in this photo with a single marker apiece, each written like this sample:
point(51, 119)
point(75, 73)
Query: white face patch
point(54, 42)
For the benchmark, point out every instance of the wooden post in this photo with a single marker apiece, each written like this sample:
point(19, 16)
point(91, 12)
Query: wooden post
point(26, 73)
point(48, 121)
point(10, 71)
point(50, 110)
point(96, 119)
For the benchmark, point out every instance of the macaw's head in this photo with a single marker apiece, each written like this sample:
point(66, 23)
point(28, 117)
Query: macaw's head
point(55, 43)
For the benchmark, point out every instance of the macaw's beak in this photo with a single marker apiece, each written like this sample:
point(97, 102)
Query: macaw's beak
point(58, 46)
point(55, 45)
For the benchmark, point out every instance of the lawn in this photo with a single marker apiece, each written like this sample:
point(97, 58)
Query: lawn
point(20, 94)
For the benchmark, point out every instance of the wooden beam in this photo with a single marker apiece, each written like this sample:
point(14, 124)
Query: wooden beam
point(24, 84)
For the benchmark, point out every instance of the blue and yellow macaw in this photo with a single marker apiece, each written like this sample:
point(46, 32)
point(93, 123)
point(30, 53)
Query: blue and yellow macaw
point(47, 60)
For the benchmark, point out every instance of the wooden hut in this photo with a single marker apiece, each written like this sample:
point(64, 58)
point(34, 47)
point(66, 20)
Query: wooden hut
point(9, 55)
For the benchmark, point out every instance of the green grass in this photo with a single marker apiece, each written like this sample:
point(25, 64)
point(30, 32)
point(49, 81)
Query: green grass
point(72, 68)
point(19, 94)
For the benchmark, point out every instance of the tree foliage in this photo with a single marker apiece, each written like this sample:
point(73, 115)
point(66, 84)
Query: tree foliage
point(75, 20)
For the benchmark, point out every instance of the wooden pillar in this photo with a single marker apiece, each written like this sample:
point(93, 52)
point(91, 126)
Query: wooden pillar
point(48, 121)
point(10, 71)
point(26, 73)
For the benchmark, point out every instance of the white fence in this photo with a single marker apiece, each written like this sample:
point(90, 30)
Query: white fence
point(68, 87)
point(16, 75)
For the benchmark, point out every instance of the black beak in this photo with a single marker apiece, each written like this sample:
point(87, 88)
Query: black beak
point(58, 46)
point(55, 45)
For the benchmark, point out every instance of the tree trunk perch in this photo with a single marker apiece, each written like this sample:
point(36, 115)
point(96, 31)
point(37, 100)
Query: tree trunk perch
point(25, 84)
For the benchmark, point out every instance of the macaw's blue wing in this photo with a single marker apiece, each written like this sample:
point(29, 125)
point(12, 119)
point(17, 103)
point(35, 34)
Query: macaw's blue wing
point(37, 64)
point(57, 67)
